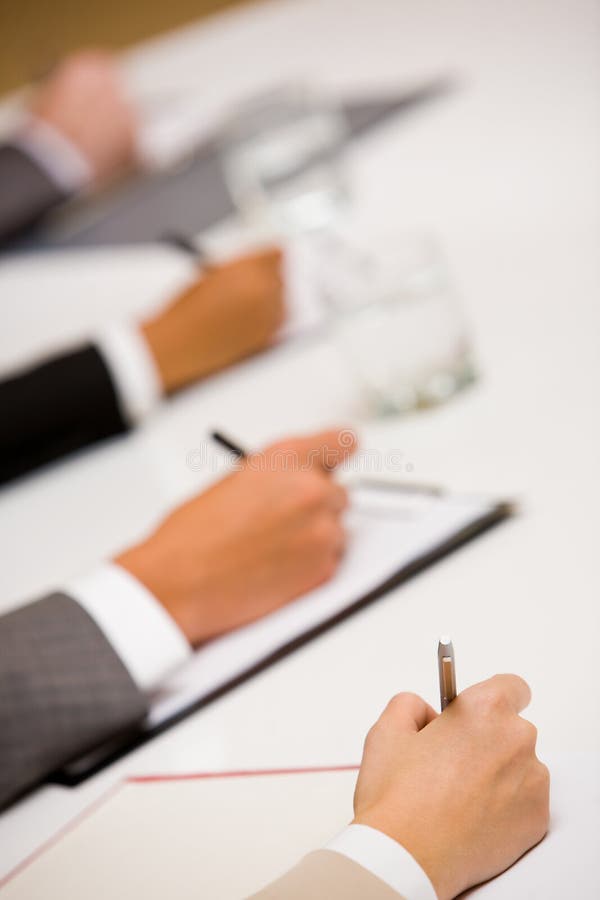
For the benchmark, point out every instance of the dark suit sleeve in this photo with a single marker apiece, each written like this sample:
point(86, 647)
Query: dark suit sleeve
point(57, 407)
point(63, 691)
point(26, 192)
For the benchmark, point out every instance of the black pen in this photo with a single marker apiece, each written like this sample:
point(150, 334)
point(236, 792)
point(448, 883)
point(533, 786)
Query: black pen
point(187, 245)
point(234, 448)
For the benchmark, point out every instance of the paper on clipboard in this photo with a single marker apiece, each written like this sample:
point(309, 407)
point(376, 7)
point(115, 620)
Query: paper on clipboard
point(393, 533)
point(387, 529)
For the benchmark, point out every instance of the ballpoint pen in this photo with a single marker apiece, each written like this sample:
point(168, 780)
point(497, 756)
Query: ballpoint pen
point(447, 671)
point(227, 444)
point(187, 245)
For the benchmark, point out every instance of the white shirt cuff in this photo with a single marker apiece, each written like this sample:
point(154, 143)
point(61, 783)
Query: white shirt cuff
point(386, 859)
point(133, 369)
point(60, 159)
point(137, 626)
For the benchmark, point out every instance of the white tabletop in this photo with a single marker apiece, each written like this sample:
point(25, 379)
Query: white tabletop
point(506, 173)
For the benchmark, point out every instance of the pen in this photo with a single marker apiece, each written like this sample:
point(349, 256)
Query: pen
point(234, 448)
point(447, 671)
point(187, 245)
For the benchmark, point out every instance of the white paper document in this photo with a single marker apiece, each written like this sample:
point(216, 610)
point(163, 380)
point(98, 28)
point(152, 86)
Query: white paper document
point(224, 837)
point(388, 530)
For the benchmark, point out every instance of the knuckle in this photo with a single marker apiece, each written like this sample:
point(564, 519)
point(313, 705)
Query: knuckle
point(491, 701)
point(314, 489)
point(538, 786)
point(329, 568)
point(539, 825)
point(341, 542)
point(372, 736)
point(276, 309)
point(340, 498)
point(528, 734)
point(543, 775)
point(298, 492)
point(322, 532)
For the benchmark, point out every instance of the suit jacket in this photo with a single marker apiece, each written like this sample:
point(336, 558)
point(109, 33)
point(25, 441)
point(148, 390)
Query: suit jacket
point(54, 408)
point(327, 875)
point(26, 192)
point(63, 691)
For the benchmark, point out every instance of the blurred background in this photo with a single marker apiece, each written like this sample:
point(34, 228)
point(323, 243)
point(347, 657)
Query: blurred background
point(41, 34)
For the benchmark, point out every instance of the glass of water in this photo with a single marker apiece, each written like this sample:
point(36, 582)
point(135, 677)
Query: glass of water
point(397, 321)
point(281, 156)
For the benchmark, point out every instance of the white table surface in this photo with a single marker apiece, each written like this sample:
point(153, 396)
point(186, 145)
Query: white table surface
point(506, 172)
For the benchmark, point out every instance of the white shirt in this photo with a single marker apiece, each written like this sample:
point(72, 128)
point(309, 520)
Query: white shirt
point(55, 154)
point(132, 369)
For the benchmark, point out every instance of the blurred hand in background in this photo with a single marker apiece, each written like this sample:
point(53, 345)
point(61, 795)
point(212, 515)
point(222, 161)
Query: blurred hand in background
point(84, 100)
point(232, 311)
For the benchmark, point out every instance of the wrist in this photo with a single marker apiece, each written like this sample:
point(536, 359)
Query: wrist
point(136, 625)
point(148, 565)
point(177, 362)
point(132, 370)
point(158, 342)
point(437, 865)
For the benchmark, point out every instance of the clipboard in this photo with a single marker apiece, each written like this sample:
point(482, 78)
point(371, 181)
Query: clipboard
point(237, 658)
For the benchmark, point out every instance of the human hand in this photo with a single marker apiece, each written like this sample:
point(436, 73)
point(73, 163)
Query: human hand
point(258, 539)
point(463, 792)
point(232, 311)
point(84, 100)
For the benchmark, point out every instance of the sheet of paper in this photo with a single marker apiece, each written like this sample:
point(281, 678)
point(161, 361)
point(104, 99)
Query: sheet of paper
point(225, 837)
point(388, 529)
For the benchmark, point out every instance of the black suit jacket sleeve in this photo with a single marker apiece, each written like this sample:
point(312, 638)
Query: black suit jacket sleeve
point(57, 407)
point(26, 191)
point(63, 691)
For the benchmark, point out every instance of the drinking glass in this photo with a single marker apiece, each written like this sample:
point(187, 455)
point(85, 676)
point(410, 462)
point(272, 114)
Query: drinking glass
point(281, 156)
point(397, 321)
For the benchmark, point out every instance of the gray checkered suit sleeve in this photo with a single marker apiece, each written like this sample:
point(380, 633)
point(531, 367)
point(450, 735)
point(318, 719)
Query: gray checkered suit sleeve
point(63, 691)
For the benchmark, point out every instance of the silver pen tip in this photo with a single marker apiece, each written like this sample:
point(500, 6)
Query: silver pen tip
point(445, 640)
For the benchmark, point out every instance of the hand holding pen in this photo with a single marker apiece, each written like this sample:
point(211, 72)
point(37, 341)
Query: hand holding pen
point(463, 791)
